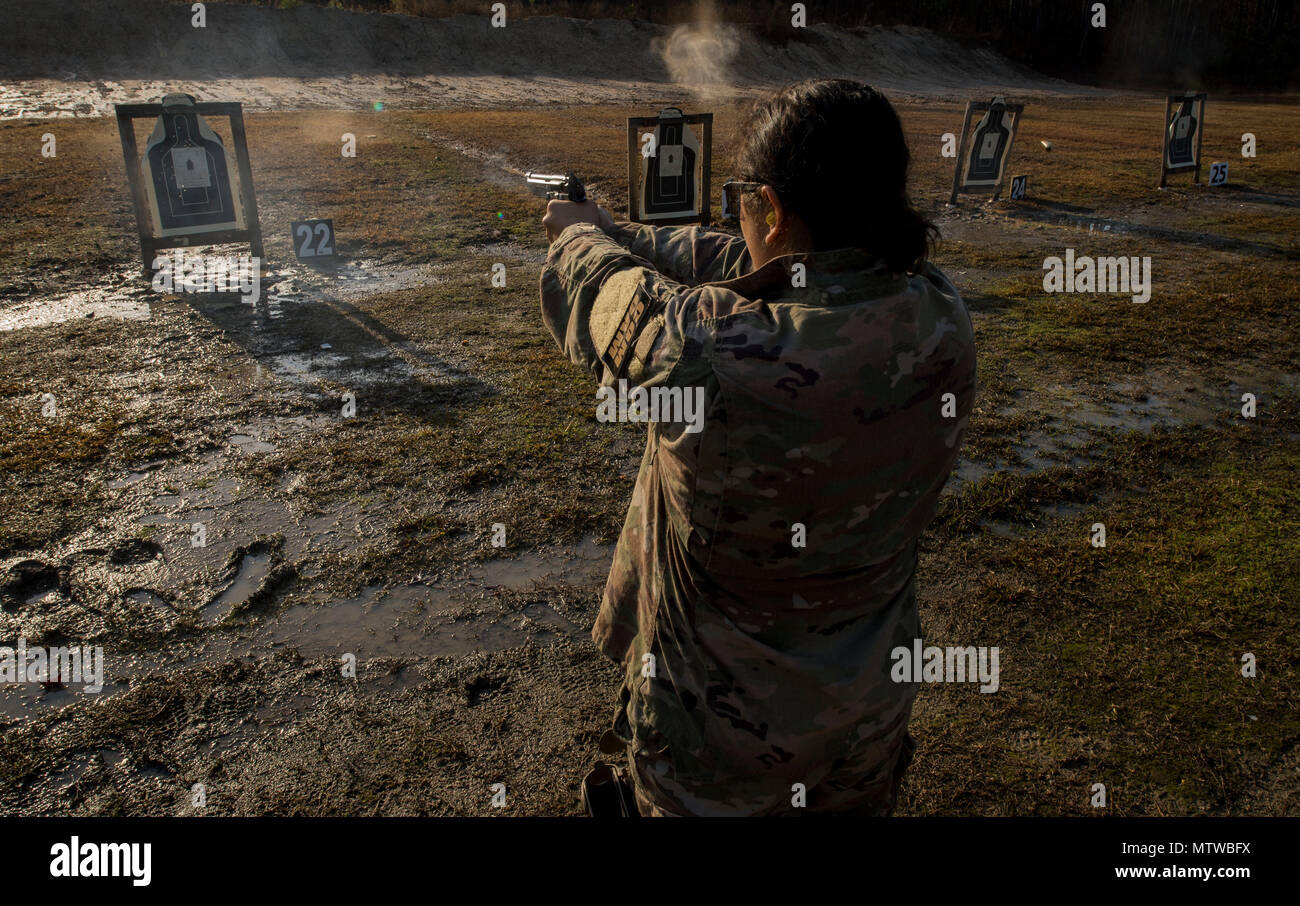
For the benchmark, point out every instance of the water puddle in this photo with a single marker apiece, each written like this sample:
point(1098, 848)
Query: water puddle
point(126, 480)
point(84, 305)
point(147, 596)
point(492, 608)
point(1073, 433)
point(412, 621)
point(476, 613)
point(364, 369)
point(368, 278)
point(253, 570)
point(586, 562)
point(347, 280)
point(246, 443)
point(512, 251)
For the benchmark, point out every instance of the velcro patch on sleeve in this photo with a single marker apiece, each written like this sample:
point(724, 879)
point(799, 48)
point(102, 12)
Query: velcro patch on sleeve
point(644, 348)
point(618, 312)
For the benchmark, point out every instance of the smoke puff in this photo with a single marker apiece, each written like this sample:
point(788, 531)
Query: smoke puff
point(699, 55)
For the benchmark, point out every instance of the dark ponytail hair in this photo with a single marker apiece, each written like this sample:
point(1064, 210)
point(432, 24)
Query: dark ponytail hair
point(834, 152)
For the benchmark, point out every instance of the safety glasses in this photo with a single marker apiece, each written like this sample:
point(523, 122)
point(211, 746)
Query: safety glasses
point(732, 189)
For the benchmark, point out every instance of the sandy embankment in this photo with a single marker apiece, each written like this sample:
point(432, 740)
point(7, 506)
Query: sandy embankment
point(61, 59)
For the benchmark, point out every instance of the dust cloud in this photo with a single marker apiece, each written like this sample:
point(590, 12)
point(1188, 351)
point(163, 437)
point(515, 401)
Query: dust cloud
point(698, 55)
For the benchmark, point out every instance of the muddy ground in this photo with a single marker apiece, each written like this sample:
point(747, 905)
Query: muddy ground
point(371, 535)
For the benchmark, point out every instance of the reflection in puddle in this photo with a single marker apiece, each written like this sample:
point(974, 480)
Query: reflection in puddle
point(84, 305)
point(379, 367)
point(125, 481)
point(253, 569)
point(145, 596)
point(586, 562)
point(249, 444)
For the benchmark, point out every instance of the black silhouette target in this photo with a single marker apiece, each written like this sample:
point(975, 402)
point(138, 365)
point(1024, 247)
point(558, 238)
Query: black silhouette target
point(668, 167)
point(191, 181)
point(1184, 128)
point(989, 147)
point(983, 153)
point(670, 177)
point(188, 189)
point(1182, 137)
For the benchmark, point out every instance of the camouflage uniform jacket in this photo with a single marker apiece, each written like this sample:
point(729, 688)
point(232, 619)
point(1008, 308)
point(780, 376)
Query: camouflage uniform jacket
point(767, 562)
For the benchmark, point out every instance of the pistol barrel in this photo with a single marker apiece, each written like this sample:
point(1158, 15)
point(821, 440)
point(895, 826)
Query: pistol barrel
point(553, 185)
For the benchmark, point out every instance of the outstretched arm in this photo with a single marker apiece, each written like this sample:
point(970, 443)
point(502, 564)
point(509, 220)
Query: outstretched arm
point(615, 314)
point(688, 254)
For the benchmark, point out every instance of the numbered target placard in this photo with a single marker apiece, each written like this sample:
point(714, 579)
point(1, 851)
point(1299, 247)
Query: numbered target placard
point(1018, 186)
point(669, 164)
point(1219, 174)
point(312, 238)
point(983, 153)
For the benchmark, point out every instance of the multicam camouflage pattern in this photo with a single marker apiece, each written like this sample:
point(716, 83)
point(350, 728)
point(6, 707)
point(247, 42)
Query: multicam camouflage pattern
point(824, 408)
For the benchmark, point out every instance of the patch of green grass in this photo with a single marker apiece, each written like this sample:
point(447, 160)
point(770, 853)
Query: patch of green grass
point(1130, 655)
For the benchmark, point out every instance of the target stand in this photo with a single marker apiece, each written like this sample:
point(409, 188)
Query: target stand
point(185, 190)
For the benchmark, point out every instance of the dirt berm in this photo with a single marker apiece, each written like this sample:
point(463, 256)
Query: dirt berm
point(155, 40)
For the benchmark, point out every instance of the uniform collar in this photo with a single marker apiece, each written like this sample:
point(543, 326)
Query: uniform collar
point(838, 274)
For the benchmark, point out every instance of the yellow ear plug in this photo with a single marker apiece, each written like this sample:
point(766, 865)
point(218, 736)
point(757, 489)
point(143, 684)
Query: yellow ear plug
point(771, 218)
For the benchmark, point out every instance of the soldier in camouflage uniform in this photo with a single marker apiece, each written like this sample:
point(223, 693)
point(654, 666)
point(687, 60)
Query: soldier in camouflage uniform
point(767, 566)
